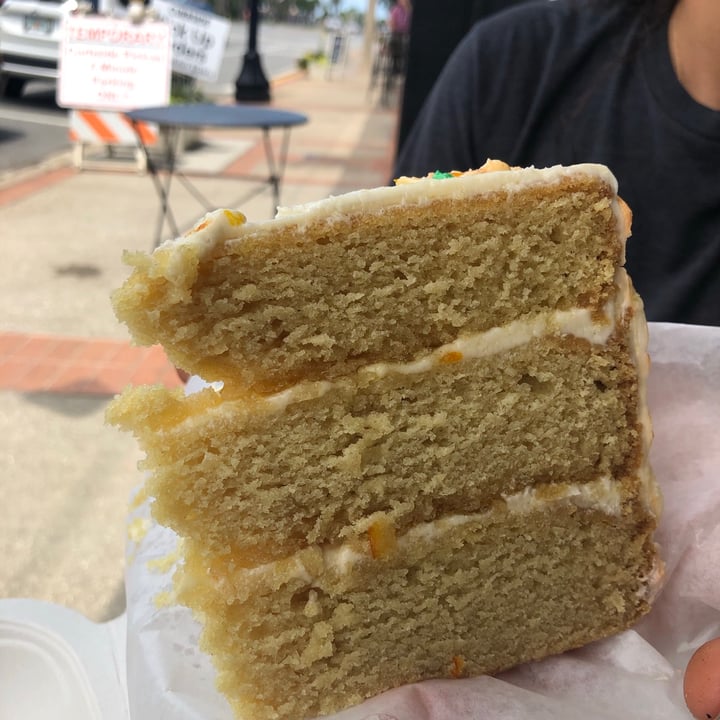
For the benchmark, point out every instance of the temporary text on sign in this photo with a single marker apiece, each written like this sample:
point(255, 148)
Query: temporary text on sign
point(112, 64)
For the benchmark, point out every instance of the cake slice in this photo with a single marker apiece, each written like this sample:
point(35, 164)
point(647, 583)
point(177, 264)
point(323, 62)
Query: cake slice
point(429, 457)
point(379, 275)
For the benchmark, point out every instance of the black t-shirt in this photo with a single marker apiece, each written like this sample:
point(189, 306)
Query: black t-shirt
point(568, 82)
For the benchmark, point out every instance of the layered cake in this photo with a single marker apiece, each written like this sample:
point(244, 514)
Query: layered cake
point(429, 456)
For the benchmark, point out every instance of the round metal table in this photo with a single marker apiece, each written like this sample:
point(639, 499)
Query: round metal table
point(172, 119)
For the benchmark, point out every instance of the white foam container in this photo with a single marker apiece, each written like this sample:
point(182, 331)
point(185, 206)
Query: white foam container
point(55, 663)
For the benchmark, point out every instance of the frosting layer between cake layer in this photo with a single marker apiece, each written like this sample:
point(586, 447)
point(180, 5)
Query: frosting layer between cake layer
point(440, 436)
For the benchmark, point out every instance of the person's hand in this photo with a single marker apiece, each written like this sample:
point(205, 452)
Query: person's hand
point(702, 682)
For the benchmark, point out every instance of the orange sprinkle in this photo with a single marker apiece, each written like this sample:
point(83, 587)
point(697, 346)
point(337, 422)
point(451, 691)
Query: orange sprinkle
point(451, 357)
point(458, 663)
point(200, 227)
point(234, 218)
point(382, 539)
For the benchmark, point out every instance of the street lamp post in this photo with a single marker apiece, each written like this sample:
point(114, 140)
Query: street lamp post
point(252, 85)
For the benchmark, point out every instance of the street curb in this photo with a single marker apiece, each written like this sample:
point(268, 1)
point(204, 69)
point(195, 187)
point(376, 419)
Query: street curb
point(16, 184)
point(287, 77)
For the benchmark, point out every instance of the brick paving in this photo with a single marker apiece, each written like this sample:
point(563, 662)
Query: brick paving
point(47, 363)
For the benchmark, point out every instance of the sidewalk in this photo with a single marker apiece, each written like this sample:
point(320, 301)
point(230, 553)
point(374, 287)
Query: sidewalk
point(65, 476)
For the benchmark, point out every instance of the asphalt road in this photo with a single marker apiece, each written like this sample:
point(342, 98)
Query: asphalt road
point(33, 127)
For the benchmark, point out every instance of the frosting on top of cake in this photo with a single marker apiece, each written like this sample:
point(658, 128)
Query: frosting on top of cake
point(419, 190)
point(221, 225)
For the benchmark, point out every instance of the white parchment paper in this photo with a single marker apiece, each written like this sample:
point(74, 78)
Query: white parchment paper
point(635, 674)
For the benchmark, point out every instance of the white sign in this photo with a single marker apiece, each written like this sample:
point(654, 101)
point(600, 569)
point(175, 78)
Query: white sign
point(199, 39)
point(110, 64)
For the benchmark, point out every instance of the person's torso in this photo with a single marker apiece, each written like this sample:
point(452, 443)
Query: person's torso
point(578, 82)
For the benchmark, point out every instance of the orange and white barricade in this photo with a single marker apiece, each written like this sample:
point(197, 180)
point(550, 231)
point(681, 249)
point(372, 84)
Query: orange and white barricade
point(110, 129)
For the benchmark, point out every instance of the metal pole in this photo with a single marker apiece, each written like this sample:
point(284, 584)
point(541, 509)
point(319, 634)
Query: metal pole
point(252, 85)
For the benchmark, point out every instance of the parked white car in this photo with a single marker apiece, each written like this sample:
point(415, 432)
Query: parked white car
point(30, 40)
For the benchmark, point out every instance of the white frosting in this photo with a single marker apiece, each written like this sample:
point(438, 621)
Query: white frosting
point(577, 322)
point(602, 494)
point(302, 572)
point(341, 558)
point(427, 189)
point(279, 401)
point(221, 225)
point(651, 584)
point(214, 227)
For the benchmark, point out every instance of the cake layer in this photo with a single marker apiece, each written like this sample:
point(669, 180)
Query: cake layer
point(258, 478)
point(327, 628)
point(376, 275)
